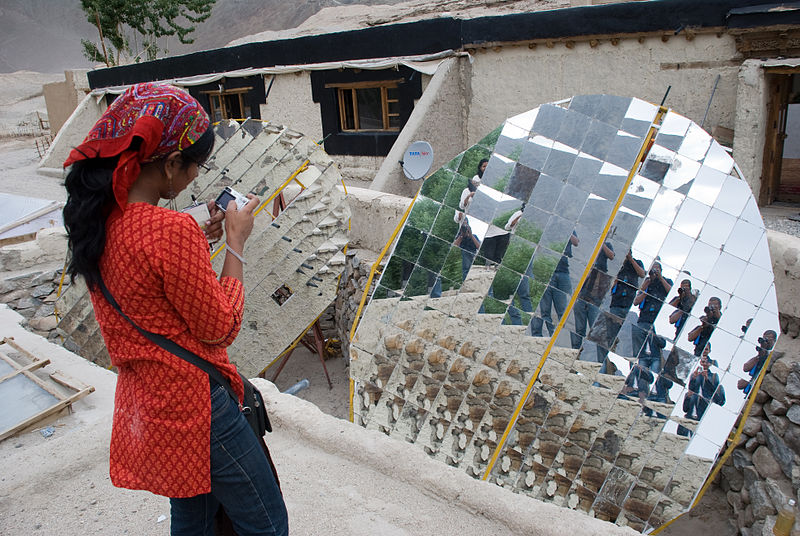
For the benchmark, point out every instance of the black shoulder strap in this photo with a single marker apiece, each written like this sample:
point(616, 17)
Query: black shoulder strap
point(171, 346)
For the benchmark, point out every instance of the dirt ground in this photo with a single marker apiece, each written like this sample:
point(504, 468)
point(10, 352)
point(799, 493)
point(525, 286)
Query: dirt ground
point(305, 365)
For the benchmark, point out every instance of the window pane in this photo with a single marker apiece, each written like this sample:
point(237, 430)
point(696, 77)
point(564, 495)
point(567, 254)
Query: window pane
point(216, 108)
point(347, 115)
point(370, 113)
point(232, 107)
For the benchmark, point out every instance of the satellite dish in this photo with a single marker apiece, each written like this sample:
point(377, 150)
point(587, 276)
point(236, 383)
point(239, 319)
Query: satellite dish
point(417, 160)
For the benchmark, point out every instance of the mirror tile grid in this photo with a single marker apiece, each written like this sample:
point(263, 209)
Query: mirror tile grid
point(658, 352)
point(294, 260)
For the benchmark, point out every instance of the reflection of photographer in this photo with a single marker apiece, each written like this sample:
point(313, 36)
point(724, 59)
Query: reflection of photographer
point(469, 245)
point(650, 299)
point(622, 294)
point(591, 295)
point(555, 295)
point(644, 341)
point(683, 304)
point(704, 388)
point(754, 365)
point(702, 333)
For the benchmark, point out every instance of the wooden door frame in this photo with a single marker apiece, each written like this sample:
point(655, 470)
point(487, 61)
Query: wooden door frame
point(779, 84)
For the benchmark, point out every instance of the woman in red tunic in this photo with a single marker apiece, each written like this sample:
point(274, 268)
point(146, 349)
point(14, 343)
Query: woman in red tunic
point(175, 432)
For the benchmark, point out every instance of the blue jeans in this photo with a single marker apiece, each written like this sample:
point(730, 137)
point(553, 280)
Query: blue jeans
point(585, 314)
point(611, 330)
point(241, 480)
point(644, 345)
point(524, 295)
point(436, 289)
point(550, 299)
point(466, 262)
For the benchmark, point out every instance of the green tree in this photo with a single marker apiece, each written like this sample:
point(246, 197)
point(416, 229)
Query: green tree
point(468, 167)
point(423, 214)
point(436, 186)
point(132, 28)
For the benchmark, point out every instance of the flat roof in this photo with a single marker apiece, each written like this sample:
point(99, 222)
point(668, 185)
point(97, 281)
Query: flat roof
point(447, 33)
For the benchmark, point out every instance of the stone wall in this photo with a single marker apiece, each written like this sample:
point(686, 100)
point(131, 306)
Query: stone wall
point(30, 273)
point(763, 473)
point(348, 295)
point(33, 294)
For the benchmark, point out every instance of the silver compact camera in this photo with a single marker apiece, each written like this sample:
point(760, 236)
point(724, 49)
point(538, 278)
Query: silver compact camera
point(228, 195)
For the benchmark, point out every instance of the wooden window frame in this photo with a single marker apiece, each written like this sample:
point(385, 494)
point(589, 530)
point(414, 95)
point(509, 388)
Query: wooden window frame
point(240, 91)
point(349, 91)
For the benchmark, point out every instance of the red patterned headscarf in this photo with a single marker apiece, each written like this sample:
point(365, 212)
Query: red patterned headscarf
point(166, 119)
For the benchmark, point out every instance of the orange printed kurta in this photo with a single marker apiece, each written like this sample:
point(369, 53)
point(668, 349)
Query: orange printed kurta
point(156, 265)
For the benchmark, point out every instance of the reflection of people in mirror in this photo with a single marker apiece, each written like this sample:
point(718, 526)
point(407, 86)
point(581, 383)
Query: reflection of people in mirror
point(754, 365)
point(512, 222)
point(646, 344)
point(704, 388)
point(434, 279)
point(702, 333)
point(524, 287)
point(469, 192)
point(622, 294)
point(550, 298)
point(592, 294)
point(683, 304)
point(495, 243)
point(469, 245)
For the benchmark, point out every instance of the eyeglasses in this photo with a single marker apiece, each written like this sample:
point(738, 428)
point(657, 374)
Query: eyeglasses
point(202, 166)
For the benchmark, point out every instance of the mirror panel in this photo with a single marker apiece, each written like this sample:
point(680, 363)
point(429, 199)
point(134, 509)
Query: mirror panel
point(661, 319)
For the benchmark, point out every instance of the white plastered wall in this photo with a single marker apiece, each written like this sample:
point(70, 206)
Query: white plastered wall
point(289, 103)
point(73, 131)
point(531, 77)
point(751, 122)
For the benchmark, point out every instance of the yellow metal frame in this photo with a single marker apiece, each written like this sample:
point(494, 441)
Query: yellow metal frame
point(562, 321)
point(371, 276)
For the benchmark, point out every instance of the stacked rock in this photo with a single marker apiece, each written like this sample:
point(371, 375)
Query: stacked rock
point(763, 472)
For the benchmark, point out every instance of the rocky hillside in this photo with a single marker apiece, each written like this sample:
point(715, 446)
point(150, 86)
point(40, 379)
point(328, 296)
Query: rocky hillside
point(44, 35)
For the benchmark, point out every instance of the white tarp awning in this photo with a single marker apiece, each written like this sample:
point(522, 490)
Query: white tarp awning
point(782, 62)
point(425, 63)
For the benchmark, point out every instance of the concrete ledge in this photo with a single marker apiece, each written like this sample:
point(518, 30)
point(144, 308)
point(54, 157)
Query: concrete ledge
point(54, 172)
point(785, 252)
point(407, 463)
point(374, 216)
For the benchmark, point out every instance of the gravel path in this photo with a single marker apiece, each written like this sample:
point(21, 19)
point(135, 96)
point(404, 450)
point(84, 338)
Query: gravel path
point(780, 222)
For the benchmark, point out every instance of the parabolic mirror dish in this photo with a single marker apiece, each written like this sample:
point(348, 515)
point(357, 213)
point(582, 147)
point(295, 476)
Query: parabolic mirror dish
point(295, 253)
point(542, 322)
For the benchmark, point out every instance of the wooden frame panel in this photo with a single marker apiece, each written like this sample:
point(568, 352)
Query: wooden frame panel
point(81, 390)
point(779, 86)
point(350, 90)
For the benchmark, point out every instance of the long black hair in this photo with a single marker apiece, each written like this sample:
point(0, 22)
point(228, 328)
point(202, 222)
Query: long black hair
point(90, 199)
point(481, 163)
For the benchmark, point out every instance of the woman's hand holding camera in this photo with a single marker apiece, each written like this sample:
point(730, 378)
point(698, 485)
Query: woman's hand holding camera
point(213, 228)
point(239, 223)
point(238, 226)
